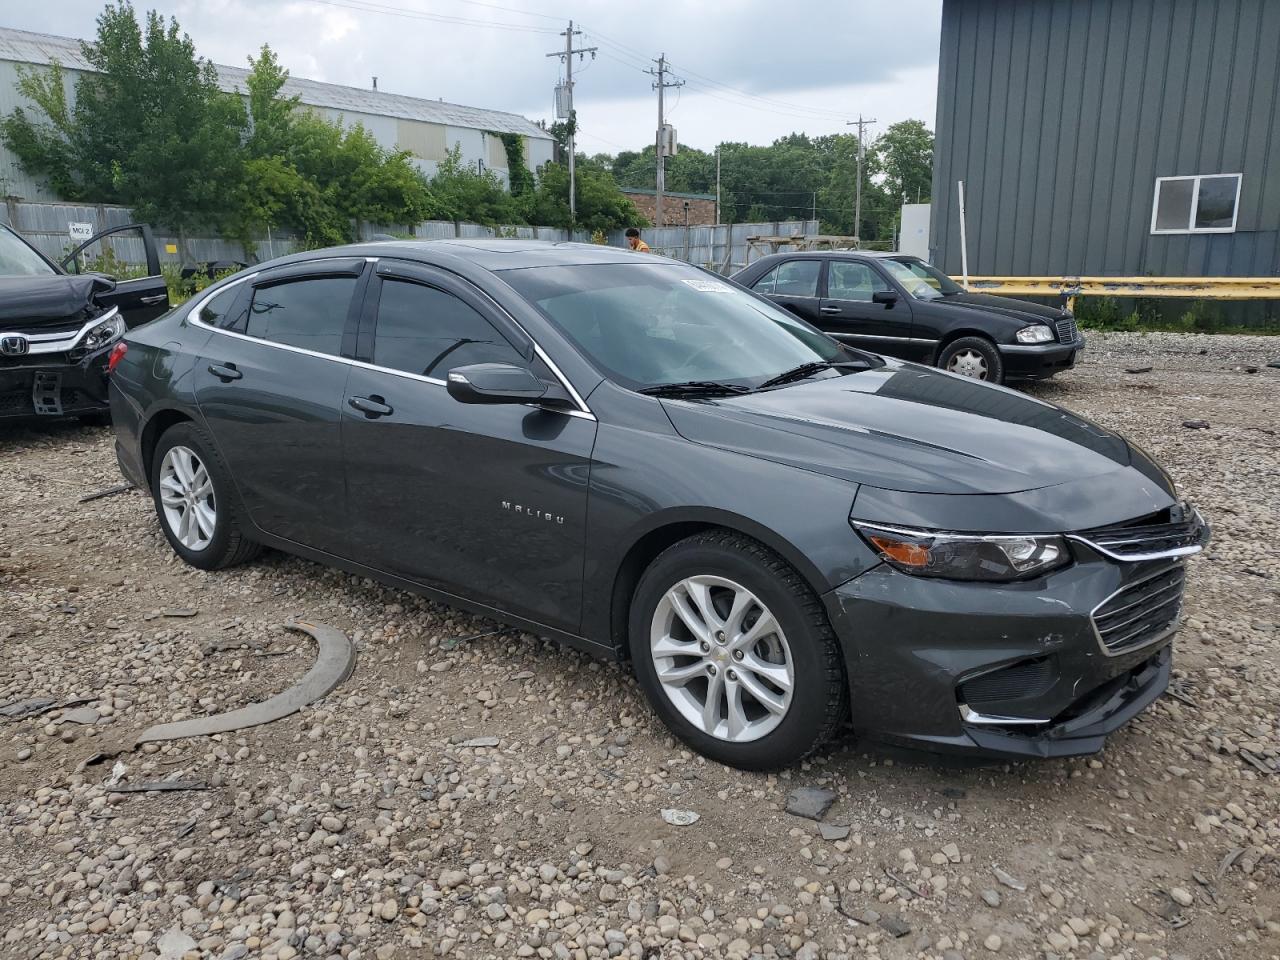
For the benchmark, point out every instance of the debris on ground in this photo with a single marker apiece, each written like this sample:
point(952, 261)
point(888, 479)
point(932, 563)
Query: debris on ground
point(160, 786)
point(108, 492)
point(1138, 369)
point(679, 818)
point(1196, 424)
point(811, 803)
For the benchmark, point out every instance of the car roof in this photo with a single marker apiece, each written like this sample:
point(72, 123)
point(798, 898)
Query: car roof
point(840, 255)
point(489, 253)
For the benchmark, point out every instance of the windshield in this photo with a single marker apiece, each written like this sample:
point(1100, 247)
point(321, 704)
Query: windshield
point(922, 280)
point(650, 324)
point(19, 260)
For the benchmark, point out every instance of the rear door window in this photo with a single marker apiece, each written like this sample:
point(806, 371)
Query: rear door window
point(310, 313)
point(220, 310)
point(426, 331)
point(792, 278)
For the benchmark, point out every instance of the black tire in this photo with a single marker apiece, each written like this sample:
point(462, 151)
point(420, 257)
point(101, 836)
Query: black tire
point(981, 346)
point(819, 703)
point(228, 545)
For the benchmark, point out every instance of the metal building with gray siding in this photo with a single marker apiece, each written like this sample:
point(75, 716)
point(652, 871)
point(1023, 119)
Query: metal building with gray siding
point(1109, 137)
point(428, 129)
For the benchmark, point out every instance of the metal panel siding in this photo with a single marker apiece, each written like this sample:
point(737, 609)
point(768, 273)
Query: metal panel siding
point(1059, 115)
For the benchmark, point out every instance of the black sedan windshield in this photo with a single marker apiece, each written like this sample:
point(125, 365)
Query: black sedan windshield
point(650, 324)
point(922, 280)
point(19, 260)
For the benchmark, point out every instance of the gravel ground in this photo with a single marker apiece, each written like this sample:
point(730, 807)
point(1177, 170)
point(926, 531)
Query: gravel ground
point(375, 824)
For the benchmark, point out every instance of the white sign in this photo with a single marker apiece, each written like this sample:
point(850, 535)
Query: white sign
point(80, 232)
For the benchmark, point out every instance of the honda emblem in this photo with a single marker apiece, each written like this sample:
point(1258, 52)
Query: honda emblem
point(13, 345)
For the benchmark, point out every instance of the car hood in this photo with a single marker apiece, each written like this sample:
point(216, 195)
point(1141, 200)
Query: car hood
point(32, 301)
point(908, 428)
point(1023, 310)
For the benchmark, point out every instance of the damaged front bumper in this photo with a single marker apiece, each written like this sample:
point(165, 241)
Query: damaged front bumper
point(1012, 670)
point(53, 385)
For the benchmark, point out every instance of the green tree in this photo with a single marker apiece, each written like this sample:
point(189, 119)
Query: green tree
point(150, 128)
point(600, 204)
point(461, 192)
point(905, 154)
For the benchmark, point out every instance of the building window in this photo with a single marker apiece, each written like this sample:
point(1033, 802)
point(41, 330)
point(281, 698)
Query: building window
point(1204, 204)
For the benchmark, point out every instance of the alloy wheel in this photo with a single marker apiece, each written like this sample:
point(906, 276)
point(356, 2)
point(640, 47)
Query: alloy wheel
point(968, 363)
point(186, 494)
point(722, 658)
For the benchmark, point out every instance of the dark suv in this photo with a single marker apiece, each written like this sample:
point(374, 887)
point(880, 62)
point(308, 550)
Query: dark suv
point(903, 307)
point(783, 534)
point(58, 326)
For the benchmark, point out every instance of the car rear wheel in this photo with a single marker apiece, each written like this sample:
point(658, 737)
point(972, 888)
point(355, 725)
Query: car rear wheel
point(735, 652)
point(191, 487)
point(973, 357)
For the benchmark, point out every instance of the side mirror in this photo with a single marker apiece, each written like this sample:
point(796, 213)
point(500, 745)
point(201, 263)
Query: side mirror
point(501, 383)
point(887, 297)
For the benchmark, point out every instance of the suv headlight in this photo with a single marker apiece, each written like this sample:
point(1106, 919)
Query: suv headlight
point(1036, 333)
point(961, 556)
point(110, 327)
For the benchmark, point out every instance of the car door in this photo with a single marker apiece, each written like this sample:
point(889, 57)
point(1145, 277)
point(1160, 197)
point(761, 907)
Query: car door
point(794, 285)
point(483, 501)
point(141, 298)
point(860, 307)
point(270, 383)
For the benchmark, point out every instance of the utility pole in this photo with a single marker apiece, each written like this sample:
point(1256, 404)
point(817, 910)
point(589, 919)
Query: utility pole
point(717, 183)
point(659, 152)
point(857, 205)
point(566, 57)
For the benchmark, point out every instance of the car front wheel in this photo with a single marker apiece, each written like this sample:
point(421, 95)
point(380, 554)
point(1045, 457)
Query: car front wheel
point(974, 357)
point(191, 489)
point(735, 652)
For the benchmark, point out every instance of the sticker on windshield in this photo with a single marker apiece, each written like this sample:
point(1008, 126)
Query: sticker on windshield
point(709, 286)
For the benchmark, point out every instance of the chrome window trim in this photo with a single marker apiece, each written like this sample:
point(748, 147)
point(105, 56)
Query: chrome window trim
point(1162, 635)
point(59, 342)
point(193, 316)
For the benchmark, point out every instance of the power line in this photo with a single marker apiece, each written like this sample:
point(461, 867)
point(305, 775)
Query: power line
point(362, 6)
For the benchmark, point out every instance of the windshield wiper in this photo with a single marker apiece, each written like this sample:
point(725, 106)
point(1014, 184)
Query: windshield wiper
point(806, 370)
point(695, 388)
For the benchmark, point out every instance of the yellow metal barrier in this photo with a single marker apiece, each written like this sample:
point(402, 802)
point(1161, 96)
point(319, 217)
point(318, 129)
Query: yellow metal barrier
point(1197, 288)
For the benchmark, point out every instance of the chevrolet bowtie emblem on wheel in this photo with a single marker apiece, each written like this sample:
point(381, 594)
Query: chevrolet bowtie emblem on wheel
point(13, 345)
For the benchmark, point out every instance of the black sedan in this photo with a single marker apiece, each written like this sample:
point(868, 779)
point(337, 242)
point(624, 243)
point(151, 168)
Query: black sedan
point(903, 307)
point(57, 328)
point(784, 535)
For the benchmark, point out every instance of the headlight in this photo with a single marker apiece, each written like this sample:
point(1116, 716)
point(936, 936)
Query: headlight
point(110, 326)
point(960, 556)
point(1036, 333)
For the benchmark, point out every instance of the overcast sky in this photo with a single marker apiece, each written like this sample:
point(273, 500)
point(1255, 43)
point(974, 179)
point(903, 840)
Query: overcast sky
point(754, 69)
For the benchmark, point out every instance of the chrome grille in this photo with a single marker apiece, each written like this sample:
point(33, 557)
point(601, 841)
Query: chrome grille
point(1146, 537)
point(1067, 330)
point(1141, 612)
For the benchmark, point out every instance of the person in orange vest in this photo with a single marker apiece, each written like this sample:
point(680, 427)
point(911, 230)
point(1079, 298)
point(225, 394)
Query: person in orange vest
point(634, 241)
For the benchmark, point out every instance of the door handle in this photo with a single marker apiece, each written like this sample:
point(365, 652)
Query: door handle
point(829, 310)
point(154, 298)
point(226, 372)
point(371, 407)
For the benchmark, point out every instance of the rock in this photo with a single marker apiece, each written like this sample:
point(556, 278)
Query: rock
point(389, 910)
point(1182, 896)
point(480, 742)
point(895, 926)
point(173, 943)
point(1010, 881)
point(830, 831)
point(991, 897)
point(810, 802)
point(1196, 424)
point(993, 943)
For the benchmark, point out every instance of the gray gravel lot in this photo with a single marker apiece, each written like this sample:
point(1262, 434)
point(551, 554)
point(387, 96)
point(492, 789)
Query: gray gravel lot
point(370, 825)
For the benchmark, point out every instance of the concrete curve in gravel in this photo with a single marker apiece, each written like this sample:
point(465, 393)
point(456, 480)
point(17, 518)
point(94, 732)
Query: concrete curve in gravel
point(335, 660)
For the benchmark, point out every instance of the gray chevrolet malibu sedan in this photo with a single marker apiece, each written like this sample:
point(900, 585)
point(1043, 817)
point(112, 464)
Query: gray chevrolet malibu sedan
point(784, 535)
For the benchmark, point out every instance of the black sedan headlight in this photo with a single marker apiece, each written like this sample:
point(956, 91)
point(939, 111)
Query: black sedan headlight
point(108, 328)
point(963, 556)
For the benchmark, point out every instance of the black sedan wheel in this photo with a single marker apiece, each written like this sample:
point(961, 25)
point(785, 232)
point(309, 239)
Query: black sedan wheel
point(974, 357)
point(735, 653)
point(190, 487)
